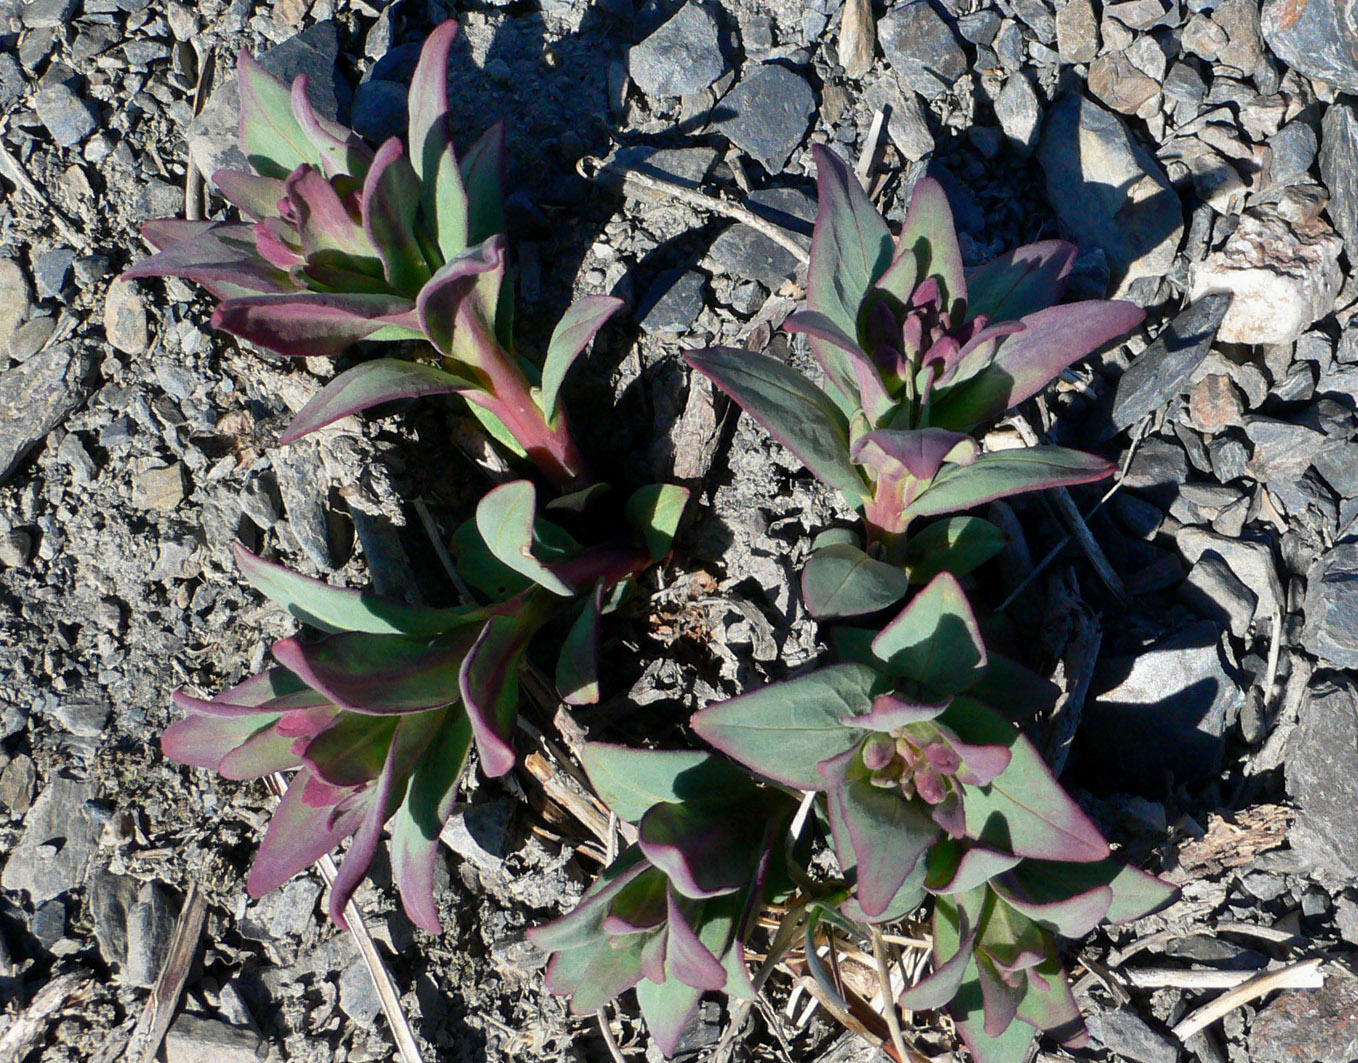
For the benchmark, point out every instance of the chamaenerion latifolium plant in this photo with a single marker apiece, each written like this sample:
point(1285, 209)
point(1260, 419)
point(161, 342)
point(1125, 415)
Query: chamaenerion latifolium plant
point(907, 747)
point(403, 242)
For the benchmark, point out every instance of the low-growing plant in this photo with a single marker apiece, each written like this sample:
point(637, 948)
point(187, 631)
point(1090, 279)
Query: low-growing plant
point(908, 747)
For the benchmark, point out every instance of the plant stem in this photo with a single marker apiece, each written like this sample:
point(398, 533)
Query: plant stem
point(893, 1020)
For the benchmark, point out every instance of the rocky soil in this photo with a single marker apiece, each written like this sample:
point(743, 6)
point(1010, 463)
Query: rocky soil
point(1203, 630)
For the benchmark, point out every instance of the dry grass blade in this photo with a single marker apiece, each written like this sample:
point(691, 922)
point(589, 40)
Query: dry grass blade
point(29, 1028)
point(387, 995)
point(156, 1017)
point(195, 189)
point(1305, 974)
point(893, 1021)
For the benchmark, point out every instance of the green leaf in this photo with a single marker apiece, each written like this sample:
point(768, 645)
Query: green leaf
point(843, 581)
point(391, 203)
point(1024, 810)
point(483, 167)
point(955, 867)
point(443, 198)
point(371, 384)
point(270, 138)
point(655, 511)
point(571, 336)
point(850, 247)
point(1004, 473)
point(631, 781)
point(784, 730)
point(379, 674)
point(351, 749)
point(930, 235)
point(329, 608)
point(577, 667)
point(1135, 893)
point(668, 1009)
point(935, 639)
point(1020, 282)
point(504, 518)
point(480, 568)
point(957, 545)
point(793, 410)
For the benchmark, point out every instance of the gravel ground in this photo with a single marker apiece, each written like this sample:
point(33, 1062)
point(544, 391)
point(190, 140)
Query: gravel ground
point(1210, 723)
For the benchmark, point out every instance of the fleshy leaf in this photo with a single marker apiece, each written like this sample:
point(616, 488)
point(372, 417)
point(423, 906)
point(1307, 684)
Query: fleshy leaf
point(379, 674)
point(298, 836)
point(955, 867)
point(1020, 282)
point(504, 517)
point(584, 923)
point(457, 307)
point(1027, 361)
point(218, 255)
point(630, 781)
point(248, 698)
point(843, 581)
point(202, 741)
point(688, 959)
point(793, 410)
point(249, 193)
point(889, 712)
point(850, 246)
point(929, 234)
point(597, 973)
point(483, 167)
point(328, 232)
point(419, 822)
point(271, 140)
point(350, 751)
point(570, 337)
point(935, 639)
point(943, 982)
point(703, 853)
point(490, 687)
point(334, 609)
point(443, 197)
point(668, 1009)
point(370, 384)
point(918, 452)
point(577, 666)
point(1025, 810)
point(391, 201)
point(957, 545)
point(307, 324)
point(784, 730)
point(851, 370)
point(656, 510)
point(1007, 472)
point(1073, 916)
point(339, 151)
point(1135, 893)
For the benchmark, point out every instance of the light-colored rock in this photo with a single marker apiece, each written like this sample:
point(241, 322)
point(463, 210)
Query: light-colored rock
point(16, 300)
point(1077, 31)
point(1284, 276)
point(59, 840)
point(125, 323)
point(1116, 81)
point(161, 488)
point(195, 1040)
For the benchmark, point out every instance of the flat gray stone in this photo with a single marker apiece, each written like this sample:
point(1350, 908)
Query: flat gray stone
point(111, 898)
point(673, 302)
point(150, 928)
point(1339, 167)
point(1217, 593)
point(357, 995)
point(68, 117)
point(1020, 114)
point(125, 320)
point(1157, 713)
point(1127, 1036)
point(767, 114)
point(196, 1040)
point(16, 300)
point(688, 167)
point(921, 47)
point(36, 397)
point(1251, 561)
point(1331, 606)
point(58, 842)
point(1282, 451)
point(1319, 38)
point(1322, 777)
point(1164, 368)
point(682, 56)
point(744, 252)
point(47, 14)
point(1109, 192)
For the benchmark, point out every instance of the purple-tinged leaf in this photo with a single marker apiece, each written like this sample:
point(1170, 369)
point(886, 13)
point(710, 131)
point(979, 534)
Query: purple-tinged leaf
point(1020, 282)
point(706, 853)
point(919, 452)
point(351, 750)
point(791, 408)
point(980, 763)
point(955, 867)
point(957, 545)
point(1024, 811)
point(443, 196)
point(842, 581)
point(221, 257)
point(308, 324)
point(929, 234)
point(935, 639)
point(976, 355)
point(379, 674)
point(489, 685)
point(885, 833)
point(850, 245)
point(1073, 916)
point(653, 957)
point(247, 698)
point(655, 511)
point(457, 307)
point(391, 202)
point(1007, 472)
point(483, 169)
point(370, 384)
point(1135, 893)
point(943, 982)
point(687, 958)
point(324, 224)
point(420, 820)
point(1000, 999)
point(299, 835)
point(784, 730)
point(668, 1008)
point(505, 517)
point(597, 973)
point(899, 281)
point(263, 753)
point(631, 781)
point(890, 711)
point(571, 336)
point(584, 923)
point(202, 741)
point(1054, 1009)
point(336, 609)
point(249, 193)
point(164, 233)
point(273, 143)
point(339, 151)
point(1025, 362)
point(577, 666)
point(412, 738)
point(275, 243)
point(852, 370)
point(640, 906)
